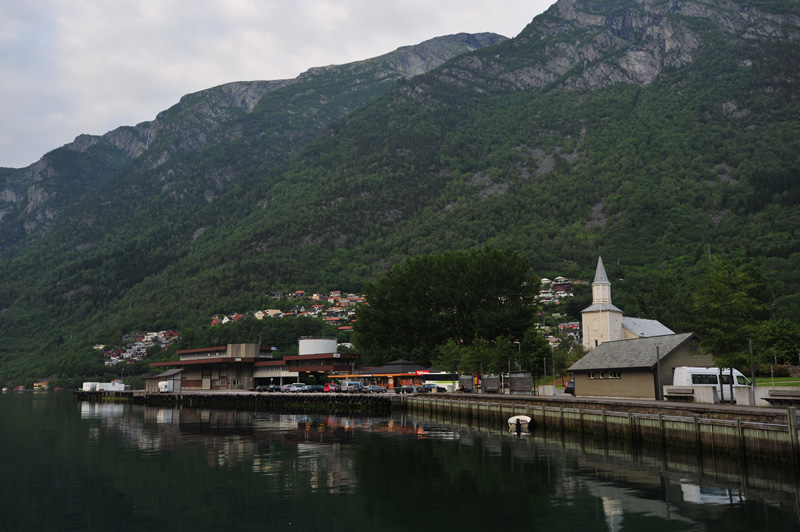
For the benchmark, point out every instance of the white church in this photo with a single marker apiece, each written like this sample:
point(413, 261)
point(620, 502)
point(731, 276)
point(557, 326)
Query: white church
point(628, 357)
point(603, 322)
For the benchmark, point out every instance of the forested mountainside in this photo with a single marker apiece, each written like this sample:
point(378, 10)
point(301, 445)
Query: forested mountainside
point(651, 132)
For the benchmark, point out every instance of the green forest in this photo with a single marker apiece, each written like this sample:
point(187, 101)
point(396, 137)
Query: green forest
point(658, 178)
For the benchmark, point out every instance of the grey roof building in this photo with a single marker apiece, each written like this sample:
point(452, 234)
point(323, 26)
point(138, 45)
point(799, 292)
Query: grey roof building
point(637, 367)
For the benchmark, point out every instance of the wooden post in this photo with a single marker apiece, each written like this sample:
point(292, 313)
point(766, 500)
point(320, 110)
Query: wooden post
point(631, 429)
point(740, 430)
point(791, 420)
point(698, 435)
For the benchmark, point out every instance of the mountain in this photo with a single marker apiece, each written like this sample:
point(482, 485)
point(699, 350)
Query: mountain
point(652, 132)
point(289, 112)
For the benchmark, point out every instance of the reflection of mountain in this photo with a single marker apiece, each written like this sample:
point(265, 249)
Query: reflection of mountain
point(381, 457)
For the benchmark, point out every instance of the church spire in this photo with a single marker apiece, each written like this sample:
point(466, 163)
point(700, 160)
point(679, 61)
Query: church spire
point(601, 287)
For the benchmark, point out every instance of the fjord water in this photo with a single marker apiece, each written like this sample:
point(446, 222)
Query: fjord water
point(68, 465)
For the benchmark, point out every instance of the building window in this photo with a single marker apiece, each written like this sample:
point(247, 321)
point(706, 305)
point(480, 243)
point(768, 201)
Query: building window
point(614, 374)
point(602, 374)
point(590, 375)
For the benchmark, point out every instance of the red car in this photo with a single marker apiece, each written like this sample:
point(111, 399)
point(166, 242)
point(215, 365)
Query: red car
point(333, 387)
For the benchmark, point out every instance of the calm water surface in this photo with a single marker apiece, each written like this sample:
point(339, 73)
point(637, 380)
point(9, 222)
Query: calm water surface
point(66, 465)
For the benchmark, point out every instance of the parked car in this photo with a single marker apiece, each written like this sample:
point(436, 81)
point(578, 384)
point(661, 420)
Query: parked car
point(352, 386)
point(433, 388)
point(408, 388)
point(332, 387)
point(262, 388)
point(374, 388)
point(292, 387)
point(314, 388)
point(570, 388)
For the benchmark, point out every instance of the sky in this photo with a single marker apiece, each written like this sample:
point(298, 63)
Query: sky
point(69, 67)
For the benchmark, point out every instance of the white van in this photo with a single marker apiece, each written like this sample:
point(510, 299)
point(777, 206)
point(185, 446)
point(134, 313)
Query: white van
point(720, 378)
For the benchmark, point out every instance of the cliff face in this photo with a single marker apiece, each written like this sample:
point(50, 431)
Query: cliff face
point(33, 197)
point(588, 45)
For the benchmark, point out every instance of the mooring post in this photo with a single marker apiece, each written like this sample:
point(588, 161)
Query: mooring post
point(740, 429)
point(791, 420)
point(697, 435)
point(631, 427)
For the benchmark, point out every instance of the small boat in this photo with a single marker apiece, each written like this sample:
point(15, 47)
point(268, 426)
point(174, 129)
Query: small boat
point(5, 389)
point(521, 422)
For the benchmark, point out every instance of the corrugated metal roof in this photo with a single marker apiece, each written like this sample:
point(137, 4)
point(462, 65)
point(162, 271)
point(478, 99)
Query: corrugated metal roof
point(641, 327)
point(636, 353)
point(168, 373)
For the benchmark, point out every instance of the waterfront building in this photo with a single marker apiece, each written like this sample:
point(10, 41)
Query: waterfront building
point(227, 367)
point(244, 366)
point(636, 368)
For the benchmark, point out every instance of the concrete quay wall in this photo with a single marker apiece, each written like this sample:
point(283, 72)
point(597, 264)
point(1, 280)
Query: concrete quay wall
point(747, 432)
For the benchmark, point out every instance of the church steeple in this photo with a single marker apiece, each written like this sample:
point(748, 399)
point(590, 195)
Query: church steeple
point(602, 321)
point(601, 287)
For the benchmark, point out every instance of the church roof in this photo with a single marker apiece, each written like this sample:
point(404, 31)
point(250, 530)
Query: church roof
point(604, 306)
point(600, 276)
point(636, 353)
point(642, 327)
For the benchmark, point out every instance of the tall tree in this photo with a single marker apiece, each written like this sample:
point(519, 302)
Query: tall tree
point(461, 296)
point(730, 306)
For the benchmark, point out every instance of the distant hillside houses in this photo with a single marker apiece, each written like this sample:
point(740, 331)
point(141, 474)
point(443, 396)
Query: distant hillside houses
point(333, 307)
point(135, 345)
point(553, 291)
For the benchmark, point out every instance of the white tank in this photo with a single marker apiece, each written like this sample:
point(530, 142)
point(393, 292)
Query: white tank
point(317, 346)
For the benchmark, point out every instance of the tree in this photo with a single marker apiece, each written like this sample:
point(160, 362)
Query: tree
point(729, 307)
point(534, 352)
point(777, 341)
point(462, 296)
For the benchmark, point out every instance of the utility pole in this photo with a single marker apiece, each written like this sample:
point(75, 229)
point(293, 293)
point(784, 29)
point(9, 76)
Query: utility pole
point(658, 375)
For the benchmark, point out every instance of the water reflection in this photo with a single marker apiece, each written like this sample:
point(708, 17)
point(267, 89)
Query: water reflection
point(616, 486)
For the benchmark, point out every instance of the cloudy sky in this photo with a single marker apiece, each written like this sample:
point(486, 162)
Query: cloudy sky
point(69, 67)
